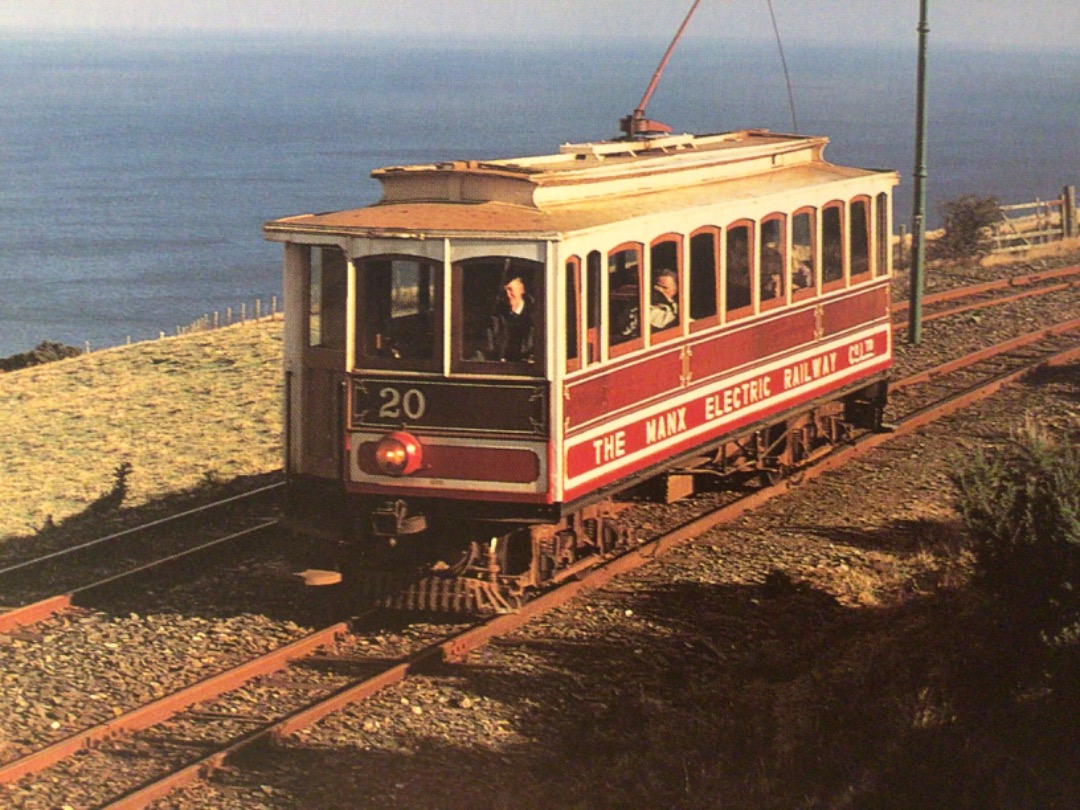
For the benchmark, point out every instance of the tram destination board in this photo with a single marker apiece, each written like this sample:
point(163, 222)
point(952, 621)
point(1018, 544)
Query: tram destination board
point(459, 407)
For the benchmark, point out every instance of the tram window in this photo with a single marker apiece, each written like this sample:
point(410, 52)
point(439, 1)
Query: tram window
point(771, 279)
point(860, 239)
point(803, 260)
point(328, 293)
point(595, 305)
point(624, 295)
point(703, 276)
point(832, 245)
point(573, 313)
point(397, 311)
point(499, 313)
point(884, 240)
point(737, 273)
point(665, 264)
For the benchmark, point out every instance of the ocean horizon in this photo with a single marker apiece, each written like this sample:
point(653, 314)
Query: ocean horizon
point(136, 173)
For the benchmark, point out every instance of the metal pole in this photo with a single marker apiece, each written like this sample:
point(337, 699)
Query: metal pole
point(663, 62)
point(918, 223)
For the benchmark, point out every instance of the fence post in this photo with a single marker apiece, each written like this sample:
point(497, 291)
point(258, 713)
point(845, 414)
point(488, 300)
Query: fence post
point(1068, 211)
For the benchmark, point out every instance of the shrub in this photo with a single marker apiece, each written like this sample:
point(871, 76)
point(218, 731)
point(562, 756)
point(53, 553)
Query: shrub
point(1022, 508)
point(45, 352)
point(966, 220)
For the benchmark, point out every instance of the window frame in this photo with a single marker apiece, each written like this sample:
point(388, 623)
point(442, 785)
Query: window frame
point(458, 364)
point(338, 298)
point(594, 309)
point(803, 293)
point(868, 273)
point(716, 318)
point(675, 330)
point(884, 236)
point(573, 281)
point(781, 299)
point(747, 310)
point(637, 341)
point(837, 283)
point(438, 315)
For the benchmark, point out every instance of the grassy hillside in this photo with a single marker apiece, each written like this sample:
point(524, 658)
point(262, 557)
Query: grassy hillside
point(68, 426)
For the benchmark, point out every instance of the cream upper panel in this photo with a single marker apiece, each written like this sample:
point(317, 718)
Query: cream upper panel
point(488, 219)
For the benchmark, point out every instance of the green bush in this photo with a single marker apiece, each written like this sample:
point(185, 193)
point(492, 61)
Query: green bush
point(965, 222)
point(1022, 508)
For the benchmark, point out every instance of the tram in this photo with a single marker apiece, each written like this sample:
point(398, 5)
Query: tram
point(477, 363)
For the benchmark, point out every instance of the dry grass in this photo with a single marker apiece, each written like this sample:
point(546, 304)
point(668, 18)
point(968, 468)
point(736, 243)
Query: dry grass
point(1064, 248)
point(180, 411)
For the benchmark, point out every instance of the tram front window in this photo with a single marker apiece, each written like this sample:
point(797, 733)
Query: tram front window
point(498, 315)
point(397, 312)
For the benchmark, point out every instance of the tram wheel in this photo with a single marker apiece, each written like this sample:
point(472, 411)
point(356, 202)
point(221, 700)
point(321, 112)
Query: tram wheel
point(771, 476)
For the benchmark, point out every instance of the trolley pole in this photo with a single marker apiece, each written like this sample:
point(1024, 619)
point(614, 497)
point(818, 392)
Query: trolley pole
point(918, 224)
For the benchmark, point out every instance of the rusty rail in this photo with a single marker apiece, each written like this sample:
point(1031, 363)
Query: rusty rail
point(153, 713)
point(53, 605)
point(992, 286)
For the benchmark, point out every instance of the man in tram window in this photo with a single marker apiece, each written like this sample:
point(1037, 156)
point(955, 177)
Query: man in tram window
point(512, 332)
point(772, 274)
point(664, 301)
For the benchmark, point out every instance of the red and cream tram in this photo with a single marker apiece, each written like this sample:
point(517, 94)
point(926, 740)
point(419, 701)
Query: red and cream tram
point(486, 355)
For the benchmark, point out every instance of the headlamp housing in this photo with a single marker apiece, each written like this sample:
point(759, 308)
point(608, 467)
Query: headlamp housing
point(399, 453)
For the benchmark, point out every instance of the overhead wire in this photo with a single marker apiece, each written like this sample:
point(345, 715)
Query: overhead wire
point(787, 74)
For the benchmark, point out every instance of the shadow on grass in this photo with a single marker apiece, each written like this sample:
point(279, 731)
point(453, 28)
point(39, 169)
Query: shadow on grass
point(255, 574)
point(107, 514)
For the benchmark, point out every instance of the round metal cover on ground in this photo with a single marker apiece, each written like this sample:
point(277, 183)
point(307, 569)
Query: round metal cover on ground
point(315, 576)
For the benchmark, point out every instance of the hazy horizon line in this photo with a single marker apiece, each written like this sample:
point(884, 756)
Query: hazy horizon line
point(460, 40)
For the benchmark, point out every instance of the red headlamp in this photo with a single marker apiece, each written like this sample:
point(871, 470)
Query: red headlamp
point(399, 453)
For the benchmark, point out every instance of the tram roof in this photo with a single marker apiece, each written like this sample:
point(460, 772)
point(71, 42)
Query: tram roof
point(581, 187)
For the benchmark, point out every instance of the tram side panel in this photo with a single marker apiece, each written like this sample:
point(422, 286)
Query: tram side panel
point(632, 417)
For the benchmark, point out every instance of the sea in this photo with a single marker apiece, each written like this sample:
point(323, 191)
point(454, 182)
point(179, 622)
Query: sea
point(136, 173)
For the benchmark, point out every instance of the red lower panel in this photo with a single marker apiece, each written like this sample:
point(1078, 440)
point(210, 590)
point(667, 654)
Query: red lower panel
point(487, 496)
point(610, 451)
point(507, 466)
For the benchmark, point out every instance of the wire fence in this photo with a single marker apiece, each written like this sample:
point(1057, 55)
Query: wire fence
point(219, 319)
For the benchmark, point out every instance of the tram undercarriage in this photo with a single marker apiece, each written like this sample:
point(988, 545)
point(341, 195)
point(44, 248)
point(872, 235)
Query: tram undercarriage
point(409, 555)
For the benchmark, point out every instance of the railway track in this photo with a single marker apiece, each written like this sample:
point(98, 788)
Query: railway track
point(327, 670)
point(989, 294)
point(39, 587)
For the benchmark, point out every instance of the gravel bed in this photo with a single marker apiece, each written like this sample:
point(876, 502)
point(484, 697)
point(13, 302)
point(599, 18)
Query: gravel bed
point(782, 625)
point(948, 338)
point(77, 671)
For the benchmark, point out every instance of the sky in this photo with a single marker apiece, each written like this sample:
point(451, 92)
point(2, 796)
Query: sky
point(999, 24)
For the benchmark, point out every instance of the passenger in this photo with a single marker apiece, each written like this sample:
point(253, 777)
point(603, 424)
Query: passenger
point(664, 303)
point(803, 276)
point(511, 333)
point(772, 278)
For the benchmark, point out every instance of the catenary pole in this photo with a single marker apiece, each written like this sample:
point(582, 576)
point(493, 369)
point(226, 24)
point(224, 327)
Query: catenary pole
point(918, 224)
